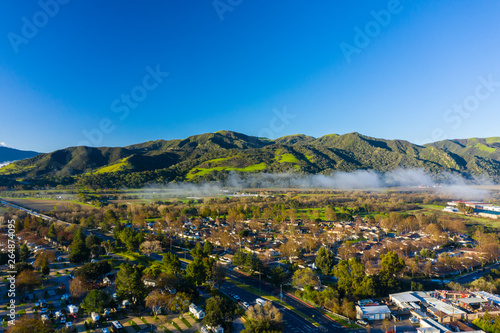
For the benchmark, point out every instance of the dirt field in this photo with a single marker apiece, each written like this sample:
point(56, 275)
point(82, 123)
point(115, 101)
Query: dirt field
point(43, 205)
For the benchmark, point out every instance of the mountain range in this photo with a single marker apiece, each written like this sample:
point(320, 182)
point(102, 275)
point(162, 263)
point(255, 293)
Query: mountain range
point(212, 156)
point(10, 154)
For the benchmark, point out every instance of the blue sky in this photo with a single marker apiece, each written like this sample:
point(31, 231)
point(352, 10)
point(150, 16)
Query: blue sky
point(428, 71)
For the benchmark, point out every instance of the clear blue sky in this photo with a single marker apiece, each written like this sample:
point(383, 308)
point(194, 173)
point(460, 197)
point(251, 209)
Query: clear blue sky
point(230, 67)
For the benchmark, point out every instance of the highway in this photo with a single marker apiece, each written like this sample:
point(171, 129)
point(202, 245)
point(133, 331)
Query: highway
point(312, 313)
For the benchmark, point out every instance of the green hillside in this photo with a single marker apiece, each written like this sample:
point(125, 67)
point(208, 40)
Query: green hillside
point(213, 156)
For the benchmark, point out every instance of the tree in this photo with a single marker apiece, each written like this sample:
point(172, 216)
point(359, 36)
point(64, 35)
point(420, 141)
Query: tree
point(352, 279)
point(217, 276)
point(208, 248)
point(93, 272)
point(28, 280)
point(391, 267)
point(172, 263)
point(219, 311)
point(304, 277)
point(79, 250)
point(96, 301)
point(325, 260)
point(79, 287)
point(180, 302)
point(263, 318)
point(129, 284)
point(149, 247)
point(253, 263)
point(426, 253)
point(131, 239)
point(31, 324)
point(239, 258)
point(198, 252)
point(25, 252)
point(156, 301)
point(44, 268)
point(197, 272)
point(52, 232)
point(278, 276)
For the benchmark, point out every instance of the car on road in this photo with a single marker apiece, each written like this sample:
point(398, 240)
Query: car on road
point(260, 301)
point(236, 297)
point(245, 305)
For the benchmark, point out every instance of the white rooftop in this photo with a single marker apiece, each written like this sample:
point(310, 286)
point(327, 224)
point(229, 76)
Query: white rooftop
point(375, 309)
point(405, 297)
point(439, 305)
point(490, 297)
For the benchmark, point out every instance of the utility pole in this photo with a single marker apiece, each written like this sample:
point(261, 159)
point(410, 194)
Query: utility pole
point(259, 278)
point(281, 291)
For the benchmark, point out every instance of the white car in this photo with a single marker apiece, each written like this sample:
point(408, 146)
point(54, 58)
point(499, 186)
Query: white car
point(245, 305)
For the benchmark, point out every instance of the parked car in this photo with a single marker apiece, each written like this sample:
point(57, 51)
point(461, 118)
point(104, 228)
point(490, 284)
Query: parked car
point(69, 324)
point(236, 297)
point(245, 305)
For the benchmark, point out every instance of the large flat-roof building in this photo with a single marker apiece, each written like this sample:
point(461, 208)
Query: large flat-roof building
point(373, 312)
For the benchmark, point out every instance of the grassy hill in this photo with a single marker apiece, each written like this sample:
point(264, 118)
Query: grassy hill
point(212, 156)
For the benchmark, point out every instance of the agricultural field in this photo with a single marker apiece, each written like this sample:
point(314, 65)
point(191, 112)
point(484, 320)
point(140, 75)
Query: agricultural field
point(44, 205)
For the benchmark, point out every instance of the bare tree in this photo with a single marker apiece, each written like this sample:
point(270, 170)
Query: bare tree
point(149, 247)
point(156, 300)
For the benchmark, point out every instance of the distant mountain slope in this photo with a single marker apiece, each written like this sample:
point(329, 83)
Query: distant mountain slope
point(213, 156)
point(10, 154)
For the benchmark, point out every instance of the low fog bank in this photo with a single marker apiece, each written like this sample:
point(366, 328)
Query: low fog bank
point(453, 185)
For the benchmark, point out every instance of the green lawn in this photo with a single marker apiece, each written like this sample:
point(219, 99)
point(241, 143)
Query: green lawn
point(134, 325)
point(186, 322)
point(135, 257)
point(344, 322)
point(176, 326)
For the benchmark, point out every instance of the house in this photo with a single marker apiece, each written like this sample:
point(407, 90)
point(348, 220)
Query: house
point(196, 311)
point(72, 309)
point(149, 283)
point(109, 279)
point(208, 329)
point(374, 312)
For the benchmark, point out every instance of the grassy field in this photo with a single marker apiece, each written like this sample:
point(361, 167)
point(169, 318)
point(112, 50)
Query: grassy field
point(45, 204)
point(203, 171)
point(468, 219)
